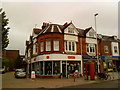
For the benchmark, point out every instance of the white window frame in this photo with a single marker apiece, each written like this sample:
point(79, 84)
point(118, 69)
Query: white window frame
point(71, 30)
point(48, 45)
point(106, 50)
point(92, 47)
point(91, 34)
point(35, 48)
point(41, 46)
point(69, 46)
point(115, 49)
point(56, 45)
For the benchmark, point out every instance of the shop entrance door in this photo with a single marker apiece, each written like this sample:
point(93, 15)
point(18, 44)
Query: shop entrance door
point(64, 69)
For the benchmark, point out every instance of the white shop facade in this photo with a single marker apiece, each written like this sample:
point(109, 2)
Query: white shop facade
point(57, 64)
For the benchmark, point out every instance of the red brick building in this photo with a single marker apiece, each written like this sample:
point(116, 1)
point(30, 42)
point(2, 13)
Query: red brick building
point(62, 49)
point(12, 55)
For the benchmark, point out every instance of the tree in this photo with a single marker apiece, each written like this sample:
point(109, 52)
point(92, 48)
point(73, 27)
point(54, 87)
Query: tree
point(6, 63)
point(19, 62)
point(5, 29)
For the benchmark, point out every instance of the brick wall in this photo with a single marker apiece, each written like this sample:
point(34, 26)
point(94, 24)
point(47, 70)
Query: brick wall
point(103, 43)
point(12, 55)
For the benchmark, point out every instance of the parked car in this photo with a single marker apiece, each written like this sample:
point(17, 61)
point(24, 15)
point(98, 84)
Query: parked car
point(2, 70)
point(20, 73)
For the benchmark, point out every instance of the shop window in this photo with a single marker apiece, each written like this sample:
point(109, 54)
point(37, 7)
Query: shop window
point(72, 66)
point(48, 68)
point(41, 68)
point(48, 45)
point(56, 67)
point(106, 49)
point(115, 49)
point(56, 45)
point(41, 46)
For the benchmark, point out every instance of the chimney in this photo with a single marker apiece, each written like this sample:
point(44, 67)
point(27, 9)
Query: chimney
point(65, 24)
point(44, 25)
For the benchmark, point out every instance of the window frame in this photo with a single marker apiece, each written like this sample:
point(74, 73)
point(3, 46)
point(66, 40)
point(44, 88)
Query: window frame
point(69, 45)
point(56, 45)
point(115, 49)
point(90, 48)
point(106, 50)
point(48, 45)
point(41, 46)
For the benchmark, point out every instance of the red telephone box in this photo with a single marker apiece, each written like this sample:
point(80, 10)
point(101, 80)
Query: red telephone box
point(90, 70)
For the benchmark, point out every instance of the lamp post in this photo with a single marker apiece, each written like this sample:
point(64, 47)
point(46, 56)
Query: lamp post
point(95, 15)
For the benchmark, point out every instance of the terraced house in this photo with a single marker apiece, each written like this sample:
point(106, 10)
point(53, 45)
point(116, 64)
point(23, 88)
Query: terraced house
point(61, 49)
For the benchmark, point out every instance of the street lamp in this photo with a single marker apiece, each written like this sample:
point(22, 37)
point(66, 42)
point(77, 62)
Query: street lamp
point(95, 15)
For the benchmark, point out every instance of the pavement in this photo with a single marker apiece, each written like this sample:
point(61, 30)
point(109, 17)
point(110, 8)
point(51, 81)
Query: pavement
point(9, 81)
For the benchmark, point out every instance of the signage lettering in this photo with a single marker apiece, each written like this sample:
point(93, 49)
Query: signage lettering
point(71, 57)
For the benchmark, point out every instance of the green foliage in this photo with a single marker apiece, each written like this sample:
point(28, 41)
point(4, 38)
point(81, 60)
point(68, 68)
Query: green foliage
point(6, 63)
point(19, 62)
point(5, 29)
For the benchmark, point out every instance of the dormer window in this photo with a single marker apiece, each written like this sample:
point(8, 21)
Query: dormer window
point(70, 30)
point(91, 34)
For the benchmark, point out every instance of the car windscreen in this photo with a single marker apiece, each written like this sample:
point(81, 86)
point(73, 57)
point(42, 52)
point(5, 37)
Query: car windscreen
point(19, 70)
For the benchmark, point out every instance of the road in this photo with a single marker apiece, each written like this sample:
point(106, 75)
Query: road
point(9, 81)
point(105, 84)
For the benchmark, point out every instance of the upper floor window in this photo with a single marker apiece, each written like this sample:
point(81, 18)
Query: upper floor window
point(106, 49)
point(36, 47)
point(70, 46)
point(56, 45)
point(70, 30)
point(91, 34)
point(115, 49)
point(48, 45)
point(41, 46)
point(91, 48)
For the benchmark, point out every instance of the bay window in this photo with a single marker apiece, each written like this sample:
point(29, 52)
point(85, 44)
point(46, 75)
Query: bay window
point(56, 45)
point(48, 45)
point(41, 46)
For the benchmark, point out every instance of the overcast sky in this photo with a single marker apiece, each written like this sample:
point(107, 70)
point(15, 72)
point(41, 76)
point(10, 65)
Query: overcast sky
point(24, 15)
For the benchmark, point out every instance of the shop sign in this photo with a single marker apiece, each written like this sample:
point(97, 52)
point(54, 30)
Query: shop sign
point(71, 57)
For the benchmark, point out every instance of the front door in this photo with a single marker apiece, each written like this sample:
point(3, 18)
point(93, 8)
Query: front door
point(64, 69)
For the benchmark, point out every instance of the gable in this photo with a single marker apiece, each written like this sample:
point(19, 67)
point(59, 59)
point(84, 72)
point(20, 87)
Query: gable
point(71, 29)
point(91, 33)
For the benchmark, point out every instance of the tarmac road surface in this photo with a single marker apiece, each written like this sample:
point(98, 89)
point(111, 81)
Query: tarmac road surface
point(9, 81)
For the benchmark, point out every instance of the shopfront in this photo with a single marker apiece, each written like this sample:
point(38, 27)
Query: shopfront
point(57, 64)
point(116, 62)
point(108, 63)
point(91, 59)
